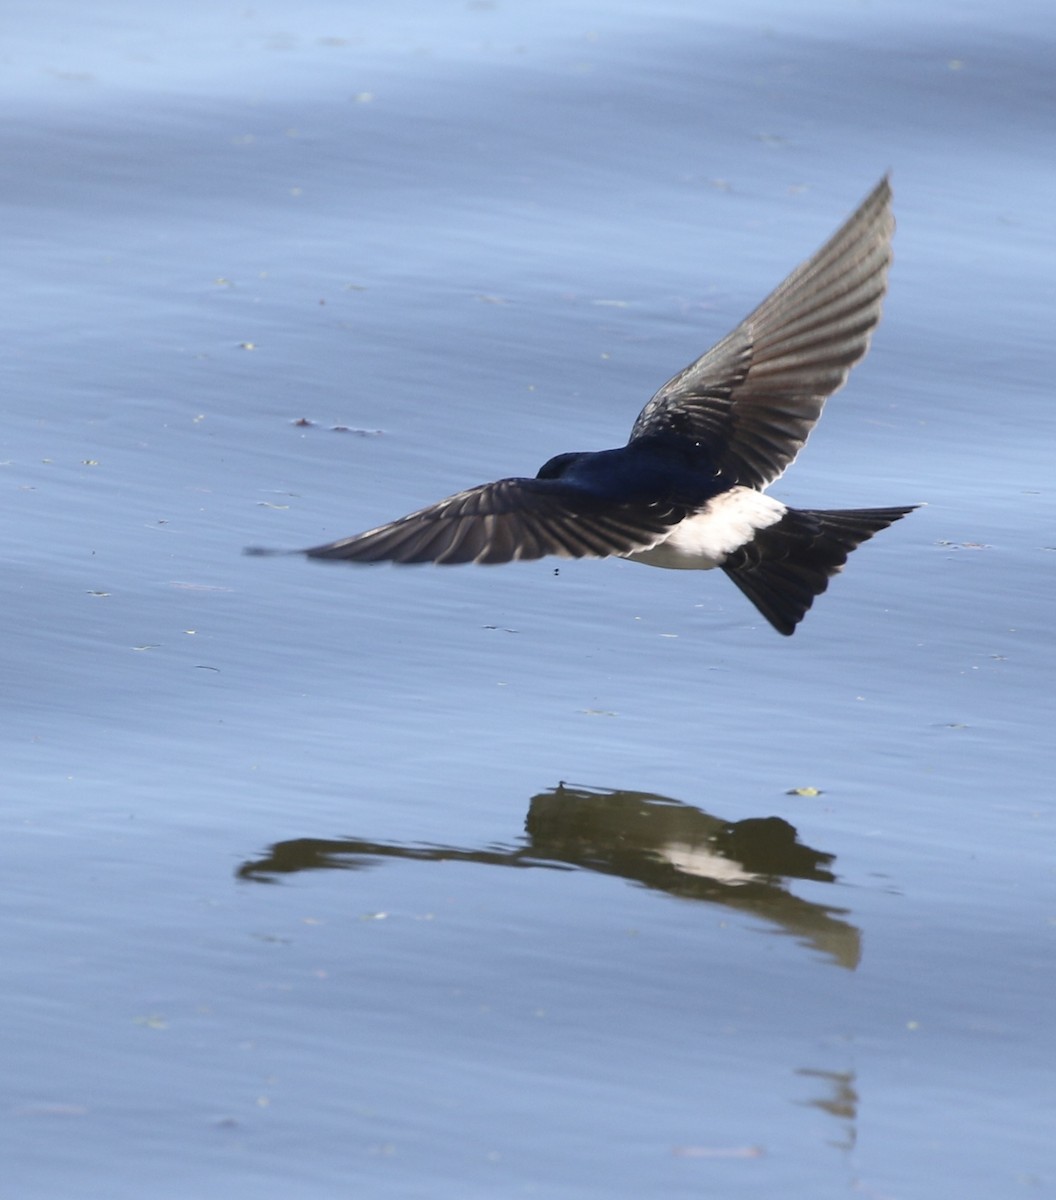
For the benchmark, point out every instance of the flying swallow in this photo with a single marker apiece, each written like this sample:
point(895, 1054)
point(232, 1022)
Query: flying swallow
point(688, 491)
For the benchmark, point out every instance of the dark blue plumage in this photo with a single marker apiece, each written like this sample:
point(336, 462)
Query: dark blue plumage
point(688, 491)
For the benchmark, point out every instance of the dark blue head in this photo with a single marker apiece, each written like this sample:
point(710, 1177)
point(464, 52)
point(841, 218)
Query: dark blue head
point(649, 470)
point(560, 464)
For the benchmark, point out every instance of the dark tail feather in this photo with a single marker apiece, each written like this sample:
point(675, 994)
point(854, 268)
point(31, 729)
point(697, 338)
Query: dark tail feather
point(786, 565)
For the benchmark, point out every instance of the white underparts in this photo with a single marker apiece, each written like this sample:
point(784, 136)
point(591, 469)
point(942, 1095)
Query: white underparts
point(705, 539)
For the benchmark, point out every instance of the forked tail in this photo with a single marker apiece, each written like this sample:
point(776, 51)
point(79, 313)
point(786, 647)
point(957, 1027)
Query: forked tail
point(787, 564)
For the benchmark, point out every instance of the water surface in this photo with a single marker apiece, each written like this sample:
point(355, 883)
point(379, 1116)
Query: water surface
point(515, 882)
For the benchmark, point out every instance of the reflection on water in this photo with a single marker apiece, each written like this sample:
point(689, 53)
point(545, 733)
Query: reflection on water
point(650, 840)
point(840, 1100)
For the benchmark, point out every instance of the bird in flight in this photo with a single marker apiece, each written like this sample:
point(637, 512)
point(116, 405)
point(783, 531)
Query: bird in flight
point(688, 491)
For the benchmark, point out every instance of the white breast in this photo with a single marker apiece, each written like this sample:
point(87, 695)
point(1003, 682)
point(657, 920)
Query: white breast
point(726, 523)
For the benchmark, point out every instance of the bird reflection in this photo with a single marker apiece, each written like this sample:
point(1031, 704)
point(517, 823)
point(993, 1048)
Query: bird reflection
point(840, 1101)
point(651, 840)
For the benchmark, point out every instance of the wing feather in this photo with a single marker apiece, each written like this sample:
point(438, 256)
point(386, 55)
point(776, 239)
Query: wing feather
point(510, 519)
point(757, 394)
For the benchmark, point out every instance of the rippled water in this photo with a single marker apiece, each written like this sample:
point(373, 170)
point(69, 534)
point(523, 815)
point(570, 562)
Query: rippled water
point(515, 882)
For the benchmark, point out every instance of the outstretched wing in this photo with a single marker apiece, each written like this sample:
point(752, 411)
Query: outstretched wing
point(756, 395)
point(510, 519)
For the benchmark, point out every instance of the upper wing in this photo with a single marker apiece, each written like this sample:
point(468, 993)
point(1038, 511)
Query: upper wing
point(510, 519)
point(756, 395)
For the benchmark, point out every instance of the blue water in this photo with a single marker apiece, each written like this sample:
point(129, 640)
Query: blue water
point(502, 882)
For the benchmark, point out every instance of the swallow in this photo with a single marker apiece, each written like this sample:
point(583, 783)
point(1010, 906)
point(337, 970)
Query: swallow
point(689, 489)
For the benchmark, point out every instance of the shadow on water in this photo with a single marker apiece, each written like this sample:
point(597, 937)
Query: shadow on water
point(650, 840)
